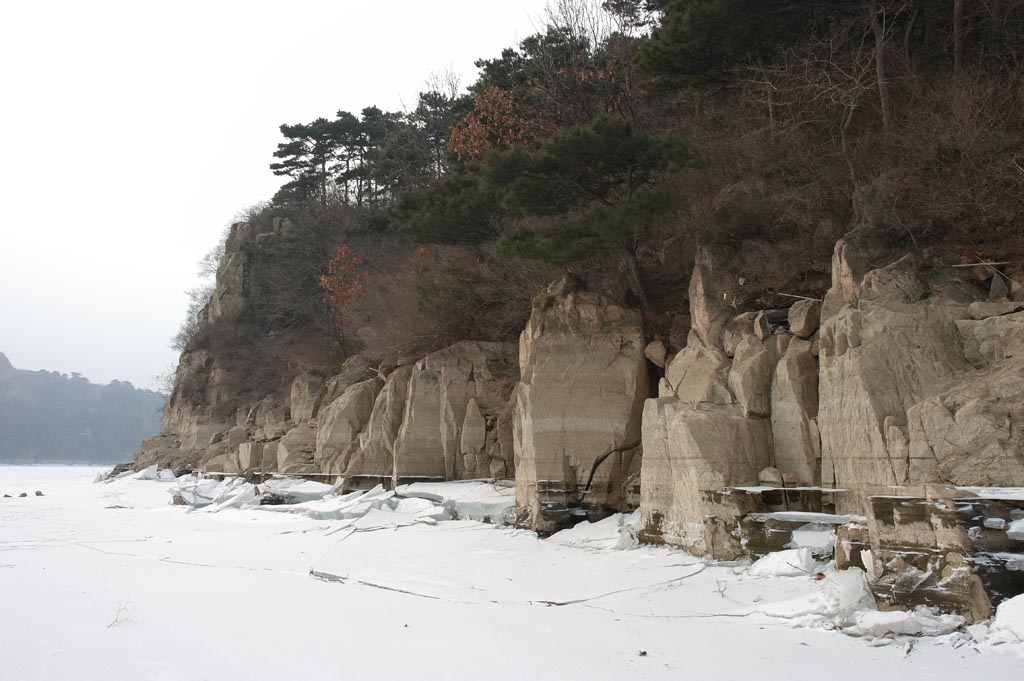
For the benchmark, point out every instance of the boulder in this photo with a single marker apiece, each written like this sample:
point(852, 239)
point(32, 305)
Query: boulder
point(698, 373)
point(339, 383)
point(295, 451)
point(578, 406)
point(250, 456)
point(762, 328)
point(804, 317)
point(269, 450)
point(235, 437)
point(999, 289)
point(656, 353)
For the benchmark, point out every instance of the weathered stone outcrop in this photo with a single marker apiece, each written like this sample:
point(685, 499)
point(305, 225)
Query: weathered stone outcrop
point(339, 426)
point(578, 406)
point(692, 450)
point(992, 339)
point(296, 451)
point(373, 462)
point(712, 293)
point(441, 388)
point(804, 318)
point(972, 433)
point(794, 410)
point(941, 546)
point(750, 376)
point(306, 395)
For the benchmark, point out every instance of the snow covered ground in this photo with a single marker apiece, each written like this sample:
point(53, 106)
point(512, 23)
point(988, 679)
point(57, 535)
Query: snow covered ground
point(108, 582)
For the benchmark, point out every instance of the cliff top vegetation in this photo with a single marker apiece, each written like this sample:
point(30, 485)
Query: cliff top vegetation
point(617, 138)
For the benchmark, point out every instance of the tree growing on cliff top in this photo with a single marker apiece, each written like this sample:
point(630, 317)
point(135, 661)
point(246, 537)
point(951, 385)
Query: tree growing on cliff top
point(308, 157)
point(594, 184)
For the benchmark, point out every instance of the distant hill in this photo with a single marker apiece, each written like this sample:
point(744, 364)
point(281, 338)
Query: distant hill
point(50, 417)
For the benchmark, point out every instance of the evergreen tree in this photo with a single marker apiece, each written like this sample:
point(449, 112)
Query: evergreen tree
point(702, 42)
point(595, 181)
point(308, 158)
point(458, 208)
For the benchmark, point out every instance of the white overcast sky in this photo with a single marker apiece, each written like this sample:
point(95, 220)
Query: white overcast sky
point(132, 132)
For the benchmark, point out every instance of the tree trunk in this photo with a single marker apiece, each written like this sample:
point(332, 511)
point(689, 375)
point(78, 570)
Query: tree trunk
point(629, 259)
point(881, 63)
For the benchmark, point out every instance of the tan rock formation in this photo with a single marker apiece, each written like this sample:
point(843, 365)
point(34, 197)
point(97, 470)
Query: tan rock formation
point(712, 292)
point(305, 396)
point(441, 387)
point(698, 373)
point(796, 443)
point(656, 353)
point(419, 453)
point(992, 339)
point(971, 433)
point(373, 462)
point(578, 405)
point(804, 317)
point(340, 424)
point(750, 376)
point(877, 360)
point(295, 451)
point(250, 456)
point(690, 451)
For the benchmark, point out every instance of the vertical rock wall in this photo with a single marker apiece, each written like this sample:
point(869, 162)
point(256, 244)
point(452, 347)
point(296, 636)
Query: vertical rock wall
point(578, 406)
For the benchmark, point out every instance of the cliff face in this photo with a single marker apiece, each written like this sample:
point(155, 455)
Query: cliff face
point(906, 382)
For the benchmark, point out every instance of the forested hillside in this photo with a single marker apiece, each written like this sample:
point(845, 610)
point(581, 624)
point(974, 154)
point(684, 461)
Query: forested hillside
point(613, 142)
point(49, 417)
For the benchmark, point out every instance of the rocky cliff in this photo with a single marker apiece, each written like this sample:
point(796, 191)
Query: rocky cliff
point(889, 412)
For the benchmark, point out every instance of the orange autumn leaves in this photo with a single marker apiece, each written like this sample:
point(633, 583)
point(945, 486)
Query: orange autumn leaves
point(343, 283)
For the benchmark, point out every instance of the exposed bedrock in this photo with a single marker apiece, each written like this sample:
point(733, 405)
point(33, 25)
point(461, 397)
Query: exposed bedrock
point(578, 406)
point(340, 425)
point(372, 463)
point(455, 424)
point(915, 392)
point(738, 379)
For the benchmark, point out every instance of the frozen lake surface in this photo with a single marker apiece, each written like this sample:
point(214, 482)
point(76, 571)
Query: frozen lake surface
point(109, 582)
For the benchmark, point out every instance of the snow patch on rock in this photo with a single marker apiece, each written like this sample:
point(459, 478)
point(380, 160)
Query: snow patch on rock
point(921, 621)
point(789, 563)
point(615, 533)
point(1009, 620)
